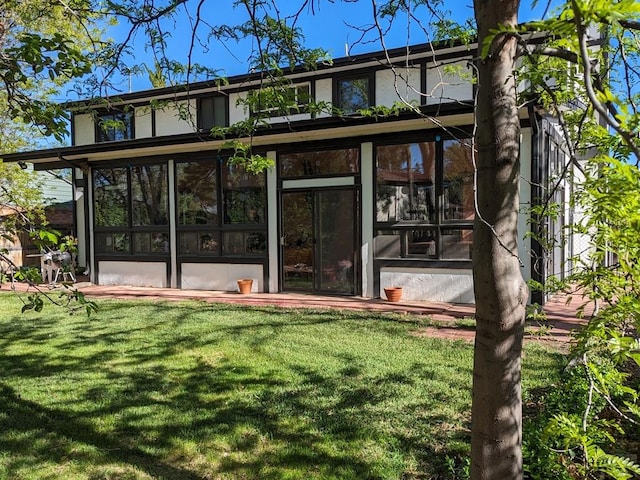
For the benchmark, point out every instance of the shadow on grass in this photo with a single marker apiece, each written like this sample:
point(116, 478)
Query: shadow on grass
point(208, 416)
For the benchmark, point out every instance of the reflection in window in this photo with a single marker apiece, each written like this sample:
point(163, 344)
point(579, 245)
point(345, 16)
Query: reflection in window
point(198, 243)
point(196, 187)
point(112, 242)
point(280, 100)
point(151, 242)
point(115, 126)
point(243, 196)
point(314, 163)
point(458, 181)
point(457, 244)
point(425, 200)
point(212, 112)
point(111, 198)
point(126, 202)
point(245, 243)
point(353, 94)
point(149, 189)
point(406, 182)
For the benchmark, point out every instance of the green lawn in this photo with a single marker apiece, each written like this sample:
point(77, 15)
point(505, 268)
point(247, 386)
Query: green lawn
point(192, 390)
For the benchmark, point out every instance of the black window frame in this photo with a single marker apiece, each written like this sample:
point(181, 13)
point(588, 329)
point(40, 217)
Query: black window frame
point(299, 108)
point(371, 91)
point(213, 98)
point(130, 230)
point(220, 229)
point(103, 136)
point(441, 227)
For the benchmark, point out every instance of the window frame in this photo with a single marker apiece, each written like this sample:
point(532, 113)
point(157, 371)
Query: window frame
point(371, 91)
point(298, 109)
point(130, 230)
point(219, 229)
point(200, 100)
point(103, 136)
point(404, 228)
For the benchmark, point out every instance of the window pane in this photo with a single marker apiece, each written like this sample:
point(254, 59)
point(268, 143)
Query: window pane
point(151, 242)
point(457, 244)
point(458, 181)
point(244, 196)
point(245, 243)
point(110, 197)
point(421, 243)
point(149, 189)
point(406, 243)
point(115, 126)
point(112, 243)
point(198, 243)
point(406, 182)
point(196, 187)
point(212, 112)
point(329, 162)
point(353, 94)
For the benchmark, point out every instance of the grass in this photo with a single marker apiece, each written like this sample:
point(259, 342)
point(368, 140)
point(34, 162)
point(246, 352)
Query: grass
point(191, 390)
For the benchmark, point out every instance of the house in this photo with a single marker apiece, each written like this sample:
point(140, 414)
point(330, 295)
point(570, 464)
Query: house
point(354, 203)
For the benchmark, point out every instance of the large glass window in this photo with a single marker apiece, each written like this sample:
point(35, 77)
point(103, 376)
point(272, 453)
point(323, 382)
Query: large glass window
point(353, 94)
point(406, 182)
point(111, 197)
point(425, 201)
point(243, 196)
point(197, 200)
point(221, 209)
point(345, 161)
point(131, 210)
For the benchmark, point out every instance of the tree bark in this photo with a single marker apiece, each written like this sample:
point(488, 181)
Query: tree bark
point(500, 291)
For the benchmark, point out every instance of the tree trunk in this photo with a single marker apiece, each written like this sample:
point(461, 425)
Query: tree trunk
point(500, 291)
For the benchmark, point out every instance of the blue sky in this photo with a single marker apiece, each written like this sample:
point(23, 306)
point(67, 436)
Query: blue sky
point(330, 28)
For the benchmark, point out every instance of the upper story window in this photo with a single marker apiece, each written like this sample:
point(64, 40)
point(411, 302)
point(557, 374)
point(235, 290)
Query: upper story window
point(354, 93)
point(114, 126)
point(280, 100)
point(212, 112)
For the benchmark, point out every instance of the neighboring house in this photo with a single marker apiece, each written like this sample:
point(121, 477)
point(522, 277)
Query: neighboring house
point(354, 204)
point(59, 214)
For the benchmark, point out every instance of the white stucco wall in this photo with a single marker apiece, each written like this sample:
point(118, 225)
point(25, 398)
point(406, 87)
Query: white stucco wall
point(84, 130)
point(324, 93)
point(431, 284)
point(237, 113)
point(168, 121)
point(220, 276)
point(143, 122)
point(443, 86)
point(405, 80)
point(135, 274)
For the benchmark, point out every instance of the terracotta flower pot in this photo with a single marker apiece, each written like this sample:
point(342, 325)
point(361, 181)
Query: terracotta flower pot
point(244, 285)
point(394, 294)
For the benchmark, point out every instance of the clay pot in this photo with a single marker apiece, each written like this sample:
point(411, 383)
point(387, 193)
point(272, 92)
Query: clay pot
point(244, 285)
point(394, 294)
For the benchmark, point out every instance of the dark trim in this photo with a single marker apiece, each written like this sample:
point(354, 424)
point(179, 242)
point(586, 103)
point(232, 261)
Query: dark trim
point(223, 83)
point(422, 264)
point(198, 138)
point(537, 178)
point(153, 122)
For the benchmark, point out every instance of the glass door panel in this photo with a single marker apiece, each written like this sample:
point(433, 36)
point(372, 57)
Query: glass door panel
point(335, 220)
point(297, 241)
